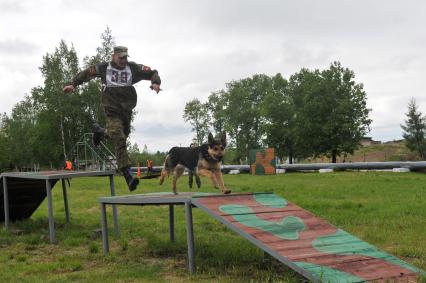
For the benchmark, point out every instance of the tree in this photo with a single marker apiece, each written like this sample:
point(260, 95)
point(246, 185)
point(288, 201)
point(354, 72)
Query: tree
point(331, 108)
point(59, 118)
point(103, 52)
point(196, 113)
point(414, 129)
point(280, 119)
point(347, 120)
point(133, 148)
point(5, 161)
point(145, 149)
point(242, 112)
point(304, 130)
point(20, 133)
point(216, 106)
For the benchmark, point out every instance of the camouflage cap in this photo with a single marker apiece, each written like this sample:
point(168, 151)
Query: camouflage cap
point(121, 51)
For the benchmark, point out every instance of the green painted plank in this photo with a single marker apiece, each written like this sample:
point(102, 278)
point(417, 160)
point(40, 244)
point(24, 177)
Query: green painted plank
point(328, 274)
point(270, 200)
point(360, 248)
point(287, 229)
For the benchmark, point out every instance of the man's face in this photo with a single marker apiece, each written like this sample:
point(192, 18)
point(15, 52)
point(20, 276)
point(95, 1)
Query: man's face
point(119, 61)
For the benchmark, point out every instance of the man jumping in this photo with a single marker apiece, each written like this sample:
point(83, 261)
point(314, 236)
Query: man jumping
point(118, 99)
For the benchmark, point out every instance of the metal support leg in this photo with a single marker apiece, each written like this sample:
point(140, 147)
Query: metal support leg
point(64, 190)
point(114, 208)
point(172, 222)
point(190, 236)
point(105, 243)
point(50, 212)
point(6, 204)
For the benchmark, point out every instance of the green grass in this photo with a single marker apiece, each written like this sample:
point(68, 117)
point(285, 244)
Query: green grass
point(383, 208)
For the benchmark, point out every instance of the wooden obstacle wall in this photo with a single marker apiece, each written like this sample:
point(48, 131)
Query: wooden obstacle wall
point(262, 161)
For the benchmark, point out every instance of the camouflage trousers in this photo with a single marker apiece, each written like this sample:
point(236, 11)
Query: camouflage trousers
point(118, 107)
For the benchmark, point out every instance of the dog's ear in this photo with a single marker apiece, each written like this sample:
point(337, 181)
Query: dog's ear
point(211, 139)
point(223, 139)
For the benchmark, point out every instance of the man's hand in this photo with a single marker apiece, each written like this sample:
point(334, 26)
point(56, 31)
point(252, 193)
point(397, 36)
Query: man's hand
point(155, 87)
point(68, 88)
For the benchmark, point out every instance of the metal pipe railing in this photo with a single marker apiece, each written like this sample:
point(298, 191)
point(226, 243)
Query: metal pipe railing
point(412, 165)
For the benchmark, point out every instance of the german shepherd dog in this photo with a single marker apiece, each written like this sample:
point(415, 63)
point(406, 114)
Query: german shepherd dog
point(204, 160)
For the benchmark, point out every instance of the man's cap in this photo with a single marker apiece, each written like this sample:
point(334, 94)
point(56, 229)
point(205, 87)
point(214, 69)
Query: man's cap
point(121, 51)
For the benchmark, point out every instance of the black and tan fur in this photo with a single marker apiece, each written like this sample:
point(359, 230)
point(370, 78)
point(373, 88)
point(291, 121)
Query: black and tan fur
point(204, 160)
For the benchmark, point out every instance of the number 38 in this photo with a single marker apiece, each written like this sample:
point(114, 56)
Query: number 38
point(115, 75)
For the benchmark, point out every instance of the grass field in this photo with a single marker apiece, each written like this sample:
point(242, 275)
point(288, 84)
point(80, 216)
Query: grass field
point(383, 208)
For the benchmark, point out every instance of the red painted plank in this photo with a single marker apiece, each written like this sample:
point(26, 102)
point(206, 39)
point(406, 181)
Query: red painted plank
point(404, 278)
point(327, 259)
point(373, 269)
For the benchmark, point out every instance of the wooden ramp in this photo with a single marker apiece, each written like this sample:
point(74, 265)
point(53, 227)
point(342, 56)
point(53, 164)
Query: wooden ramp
point(308, 244)
point(25, 196)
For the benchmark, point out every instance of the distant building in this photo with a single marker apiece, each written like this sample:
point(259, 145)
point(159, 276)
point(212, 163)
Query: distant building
point(367, 141)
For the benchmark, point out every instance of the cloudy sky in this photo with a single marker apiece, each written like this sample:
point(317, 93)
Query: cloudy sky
point(199, 45)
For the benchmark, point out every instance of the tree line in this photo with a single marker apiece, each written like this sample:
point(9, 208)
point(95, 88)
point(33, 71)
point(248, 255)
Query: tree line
point(44, 127)
point(313, 113)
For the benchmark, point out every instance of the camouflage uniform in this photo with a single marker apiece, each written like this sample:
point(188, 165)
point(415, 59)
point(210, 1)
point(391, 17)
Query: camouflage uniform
point(118, 98)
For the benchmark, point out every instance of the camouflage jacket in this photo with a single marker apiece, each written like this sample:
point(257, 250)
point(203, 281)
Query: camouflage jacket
point(112, 77)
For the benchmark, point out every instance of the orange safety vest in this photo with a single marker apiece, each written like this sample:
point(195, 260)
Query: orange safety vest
point(68, 165)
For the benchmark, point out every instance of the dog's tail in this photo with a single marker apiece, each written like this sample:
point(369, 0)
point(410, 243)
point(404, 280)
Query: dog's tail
point(166, 169)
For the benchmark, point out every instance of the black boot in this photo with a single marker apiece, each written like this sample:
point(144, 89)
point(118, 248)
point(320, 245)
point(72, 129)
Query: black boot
point(98, 134)
point(132, 182)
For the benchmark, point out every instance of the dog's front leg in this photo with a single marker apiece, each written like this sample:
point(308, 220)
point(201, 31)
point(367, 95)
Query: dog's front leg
point(219, 176)
point(208, 173)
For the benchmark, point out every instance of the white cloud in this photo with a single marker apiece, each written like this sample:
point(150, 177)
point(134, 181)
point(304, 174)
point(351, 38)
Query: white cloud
point(11, 7)
point(17, 47)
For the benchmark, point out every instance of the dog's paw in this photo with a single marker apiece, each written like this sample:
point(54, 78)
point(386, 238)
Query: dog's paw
point(226, 191)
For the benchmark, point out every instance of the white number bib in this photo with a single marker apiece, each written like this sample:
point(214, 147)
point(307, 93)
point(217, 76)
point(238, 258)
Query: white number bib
point(116, 77)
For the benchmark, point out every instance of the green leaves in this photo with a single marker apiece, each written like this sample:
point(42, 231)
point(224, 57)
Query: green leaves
point(196, 113)
point(414, 130)
point(314, 113)
point(44, 127)
point(333, 110)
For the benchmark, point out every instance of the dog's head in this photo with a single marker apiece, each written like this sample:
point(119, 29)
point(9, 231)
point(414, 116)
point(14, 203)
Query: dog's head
point(217, 146)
